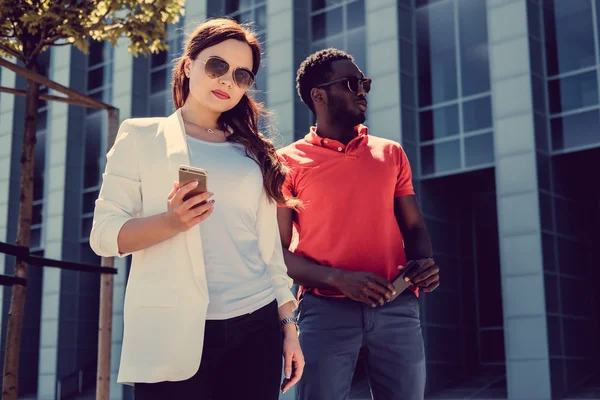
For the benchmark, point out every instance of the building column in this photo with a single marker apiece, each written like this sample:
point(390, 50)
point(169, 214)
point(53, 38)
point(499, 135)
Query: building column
point(53, 225)
point(383, 66)
point(282, 71)
point(522, 274)
point(195, 14)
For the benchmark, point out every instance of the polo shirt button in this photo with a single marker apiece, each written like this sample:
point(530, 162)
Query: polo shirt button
point(339, 149)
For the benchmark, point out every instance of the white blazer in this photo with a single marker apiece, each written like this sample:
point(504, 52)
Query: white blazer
point(167, 295)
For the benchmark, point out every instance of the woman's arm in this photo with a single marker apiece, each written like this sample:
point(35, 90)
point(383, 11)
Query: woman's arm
point(140, 233)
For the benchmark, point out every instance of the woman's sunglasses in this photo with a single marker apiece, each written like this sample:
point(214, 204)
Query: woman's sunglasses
point(216, 67)
point(353, 83)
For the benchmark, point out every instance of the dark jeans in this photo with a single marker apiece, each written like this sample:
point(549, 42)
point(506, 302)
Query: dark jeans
point(332, 332)
point(242, 359)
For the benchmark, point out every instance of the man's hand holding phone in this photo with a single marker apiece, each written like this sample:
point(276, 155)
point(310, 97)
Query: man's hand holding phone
point(366, 287)
point(423, 273)
point(184, 214)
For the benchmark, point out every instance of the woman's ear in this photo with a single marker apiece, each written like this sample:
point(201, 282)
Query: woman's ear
point(187, 65)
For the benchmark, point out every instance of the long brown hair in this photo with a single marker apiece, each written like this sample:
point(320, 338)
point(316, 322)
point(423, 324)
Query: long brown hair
point(245, 116)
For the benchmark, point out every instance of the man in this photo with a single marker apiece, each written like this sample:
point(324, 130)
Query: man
point(358, 209)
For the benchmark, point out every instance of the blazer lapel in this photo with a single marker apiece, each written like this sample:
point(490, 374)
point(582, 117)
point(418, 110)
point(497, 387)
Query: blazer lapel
point(177, 154)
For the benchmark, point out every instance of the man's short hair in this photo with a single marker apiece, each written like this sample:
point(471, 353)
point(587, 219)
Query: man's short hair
point(315, 70)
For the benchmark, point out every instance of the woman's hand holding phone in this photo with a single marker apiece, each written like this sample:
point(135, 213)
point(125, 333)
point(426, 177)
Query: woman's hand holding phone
point(184, 214)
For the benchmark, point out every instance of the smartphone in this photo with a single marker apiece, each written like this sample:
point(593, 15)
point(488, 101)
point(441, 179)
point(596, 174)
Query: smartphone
point(189, 174)
point(399, 284)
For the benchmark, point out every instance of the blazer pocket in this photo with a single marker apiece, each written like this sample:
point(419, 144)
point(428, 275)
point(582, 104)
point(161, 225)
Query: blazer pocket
point(156, 296)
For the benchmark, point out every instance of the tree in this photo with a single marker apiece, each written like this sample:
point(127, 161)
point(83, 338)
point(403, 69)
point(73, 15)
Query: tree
point(29, 27)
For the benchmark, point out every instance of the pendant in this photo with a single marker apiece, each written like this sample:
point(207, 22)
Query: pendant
point(210, 131)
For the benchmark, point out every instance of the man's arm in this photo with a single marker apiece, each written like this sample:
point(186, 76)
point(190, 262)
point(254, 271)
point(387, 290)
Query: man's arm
point(417, 243)
point(366, 287)
point(301, 270)
point(416, 238)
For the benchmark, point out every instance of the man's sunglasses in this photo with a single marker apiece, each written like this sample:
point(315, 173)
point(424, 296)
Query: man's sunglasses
point(353, 83)
point(216, 67)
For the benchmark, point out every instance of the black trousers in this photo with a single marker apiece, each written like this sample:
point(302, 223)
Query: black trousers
point(242, 358)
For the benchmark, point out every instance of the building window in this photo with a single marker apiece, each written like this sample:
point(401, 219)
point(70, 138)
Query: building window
point(99, 86)
point(253, 13)
point(340, 24)
point(572, 63)
point(454, 102)
point(36, 239)
point(161, 65)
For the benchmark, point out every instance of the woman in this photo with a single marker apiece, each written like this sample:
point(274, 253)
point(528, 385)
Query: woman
point(223, 246)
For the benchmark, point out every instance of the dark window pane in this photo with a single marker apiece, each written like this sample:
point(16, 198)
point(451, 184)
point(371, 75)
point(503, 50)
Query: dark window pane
point(407, 57)
point(575, 130)
point(35, 238)
point(409, 128)
point(39, 166)
point(477, 114)
point(438, 123)
point(546, 211)
point(231, 6)
point(420, 3)
point(440, 157)
point(573, 92)
point(158, 105)
point(86, 255)
point(405, 23)
point(89, 201)
point(244, 17)
point(472, 22)
point(479, 150)
point(95, 78)
point(42, 120)
point(436, 53)
point(95, 53)
point(355, 14)
point(86, 226)
point(159, 59)
point(538, 94)
point(411, 152)
point(407, 86)
point(36, 217)
point(327, 24)
point(548, 252)
point(492, 346)
point(541, 133)
point(357, 47)
point(94, 132)
point(158, 81)
point(319, 4)
point(533, 18)
point(569, 35)
point(535, 52)
point(261, 18)
point(337, 43)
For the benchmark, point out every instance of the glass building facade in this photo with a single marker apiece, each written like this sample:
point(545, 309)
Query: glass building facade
point(497, 106)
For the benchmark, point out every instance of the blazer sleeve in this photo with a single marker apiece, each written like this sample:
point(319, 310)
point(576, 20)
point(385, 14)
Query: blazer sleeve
point(120, 197)
point(277, 269)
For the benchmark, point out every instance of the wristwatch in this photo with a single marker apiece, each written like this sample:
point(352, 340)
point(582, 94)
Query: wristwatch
point(290, 320)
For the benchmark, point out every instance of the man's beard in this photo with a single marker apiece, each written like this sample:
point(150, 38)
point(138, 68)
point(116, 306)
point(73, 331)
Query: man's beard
point(343, 116)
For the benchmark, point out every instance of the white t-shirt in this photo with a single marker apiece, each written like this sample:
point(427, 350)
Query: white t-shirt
point(237, 276)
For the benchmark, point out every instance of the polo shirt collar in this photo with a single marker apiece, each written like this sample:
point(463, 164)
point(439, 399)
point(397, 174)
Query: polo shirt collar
point(317, 140)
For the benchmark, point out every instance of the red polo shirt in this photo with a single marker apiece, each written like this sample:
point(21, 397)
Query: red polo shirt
point(348, 193)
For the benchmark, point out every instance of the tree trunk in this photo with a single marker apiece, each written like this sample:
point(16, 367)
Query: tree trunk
point(17, 301)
